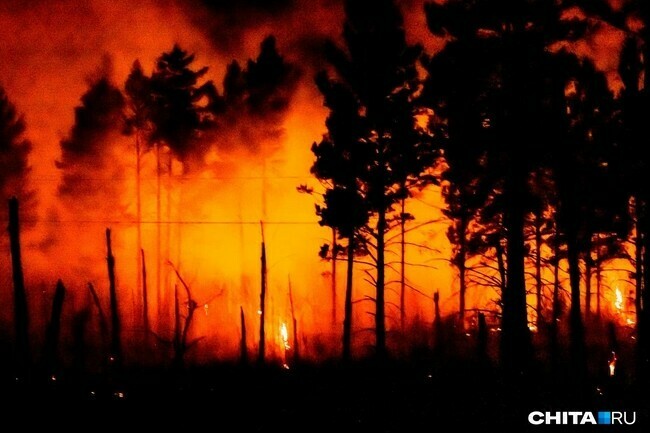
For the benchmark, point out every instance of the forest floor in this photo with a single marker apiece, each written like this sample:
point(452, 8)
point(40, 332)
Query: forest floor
point(395, 397)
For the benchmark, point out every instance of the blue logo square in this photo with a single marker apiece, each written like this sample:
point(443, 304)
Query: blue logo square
point(604, 417)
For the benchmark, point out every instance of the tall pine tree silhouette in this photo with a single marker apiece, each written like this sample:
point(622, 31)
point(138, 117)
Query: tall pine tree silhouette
point(515, 36)
point(455, 89)
point(14, 152)
point(377, 70)
point(340, 156)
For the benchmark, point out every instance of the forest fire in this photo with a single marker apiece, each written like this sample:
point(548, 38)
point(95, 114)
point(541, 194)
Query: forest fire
point(218, 181)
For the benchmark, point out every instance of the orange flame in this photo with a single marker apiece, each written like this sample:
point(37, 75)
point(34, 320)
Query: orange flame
point(612, 364)
point(284, 335)
point(618, 303)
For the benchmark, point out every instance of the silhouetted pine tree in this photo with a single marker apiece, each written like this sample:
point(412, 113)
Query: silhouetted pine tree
point(137, 89)
point(589, 202)
point(255, 100)
point(635, 101)
point(179, 114)
point(376, 72)
point(340, 156)
point(14, 153)
point(455, 89)
point(635, 98)
point(89, 158)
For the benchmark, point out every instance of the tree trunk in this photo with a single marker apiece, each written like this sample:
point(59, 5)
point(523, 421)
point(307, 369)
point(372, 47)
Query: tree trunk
point(347, 318)
point(588, 271)
point(556, 305)
point(462, 269)
point(482, 339)
point(167, 278)
point(334, 254)
point(575, 317)
point(116, 328)
point(643, 325)
point(501, 265)
point(262, 344)
point(145, 298)
point(645, 305)
point(178, 344)
point(599, 280)
point(138, 217)
point(638, 256)
point(294, 322)
point(437, 325)
point(380, 316)
point(103, 322)
point(402, 281)
point(54, 330)
point(556, 287)
point(243, 347)
point(538, 268)
point(21, 312)
point(159, 294)
point(514, 335)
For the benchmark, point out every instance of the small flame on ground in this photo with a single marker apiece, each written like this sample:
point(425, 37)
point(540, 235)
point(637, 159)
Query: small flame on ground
point(612, 364)
point(619, 300)
point(284, 334)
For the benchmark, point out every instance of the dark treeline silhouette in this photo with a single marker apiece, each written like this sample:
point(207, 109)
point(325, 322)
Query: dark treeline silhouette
point(538, 157)
point(373, 155)
point(633, 19)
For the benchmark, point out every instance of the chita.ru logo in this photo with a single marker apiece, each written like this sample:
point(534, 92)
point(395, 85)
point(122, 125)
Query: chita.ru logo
point(576, 418)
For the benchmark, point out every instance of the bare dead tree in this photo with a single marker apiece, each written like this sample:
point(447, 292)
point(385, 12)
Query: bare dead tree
point(54, 329)
point(437, 324)
point(103, 322)
point(21, 312)
point(333, 270)
point(183, 324)
point(145, 298)
point(262, 344)
point(116, 326)
point(296, 348)
point(243, 349)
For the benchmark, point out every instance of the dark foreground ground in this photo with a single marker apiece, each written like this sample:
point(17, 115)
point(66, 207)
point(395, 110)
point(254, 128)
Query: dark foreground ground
point(398, 397)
